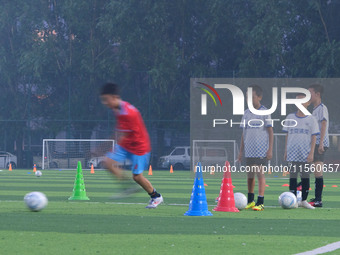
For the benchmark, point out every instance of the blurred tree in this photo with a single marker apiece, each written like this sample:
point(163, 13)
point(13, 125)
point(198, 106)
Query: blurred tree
point(56, 54)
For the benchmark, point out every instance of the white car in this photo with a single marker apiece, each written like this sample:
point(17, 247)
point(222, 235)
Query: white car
point(7, 158)
point(179, 158)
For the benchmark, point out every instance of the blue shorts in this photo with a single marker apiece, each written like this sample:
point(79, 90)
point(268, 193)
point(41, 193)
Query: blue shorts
point(139, 162)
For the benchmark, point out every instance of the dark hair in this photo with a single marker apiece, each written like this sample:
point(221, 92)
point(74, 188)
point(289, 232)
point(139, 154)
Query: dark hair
point(110, 89)
point(301, 94)
point(317, 88)
point(257, 90)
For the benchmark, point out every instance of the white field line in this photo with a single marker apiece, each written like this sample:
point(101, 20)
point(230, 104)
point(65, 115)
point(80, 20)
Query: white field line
point(324, 249)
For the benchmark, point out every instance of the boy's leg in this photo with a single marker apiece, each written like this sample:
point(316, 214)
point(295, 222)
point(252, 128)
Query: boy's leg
point(318, 164)
point(143, 182)
point(293, 178)
point(318, 183)
point(250, 183)
point(305, 190)
point(139, 164)
point(112, 166)
point(113, 158)
point(262, 185)
point(251, 186)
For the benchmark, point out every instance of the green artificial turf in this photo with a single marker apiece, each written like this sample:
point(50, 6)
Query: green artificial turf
point(103, 226)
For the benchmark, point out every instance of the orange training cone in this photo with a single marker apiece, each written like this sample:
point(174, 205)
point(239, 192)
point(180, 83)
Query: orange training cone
point(34, 168)
point(92, 169)
point(10, 167)
point(171, 169)
point(150, 170)
point(226, 200)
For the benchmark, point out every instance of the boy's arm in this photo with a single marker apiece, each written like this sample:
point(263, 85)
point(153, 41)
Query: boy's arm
point(310, 157)
point(322, 136)
point(271, 141)
point(239, 158)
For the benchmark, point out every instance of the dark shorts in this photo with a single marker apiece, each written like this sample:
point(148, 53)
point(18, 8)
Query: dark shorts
point(299, 169)
point(256, 161)
point(317, 156)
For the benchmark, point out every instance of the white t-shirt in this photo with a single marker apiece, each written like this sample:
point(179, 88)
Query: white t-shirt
point(321, 113)
point(255, 134)
point(300, 136)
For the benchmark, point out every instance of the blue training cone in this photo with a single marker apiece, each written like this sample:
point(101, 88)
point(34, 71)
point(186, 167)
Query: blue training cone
point(198, 205)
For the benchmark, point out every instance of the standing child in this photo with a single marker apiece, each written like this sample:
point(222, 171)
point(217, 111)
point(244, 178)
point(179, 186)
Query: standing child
point(299, 149)
point(257, 143)
point(320, 112)
point(133, 143)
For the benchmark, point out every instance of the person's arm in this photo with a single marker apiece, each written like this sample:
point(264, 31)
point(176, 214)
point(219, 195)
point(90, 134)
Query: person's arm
point(310, 157)
point(271, 141)
point(321, 149)
point(239, 158)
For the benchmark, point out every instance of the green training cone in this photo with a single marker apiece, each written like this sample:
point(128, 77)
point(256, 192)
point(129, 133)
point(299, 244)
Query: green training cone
point(79, 192)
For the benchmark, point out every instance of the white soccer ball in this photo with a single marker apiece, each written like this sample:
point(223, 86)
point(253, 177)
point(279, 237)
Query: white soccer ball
point(35, 201)
point(287, 200)
point(240, 200)
point(38, 173)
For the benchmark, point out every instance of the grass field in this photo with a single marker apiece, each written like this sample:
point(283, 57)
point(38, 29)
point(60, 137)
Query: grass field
point(101, 226)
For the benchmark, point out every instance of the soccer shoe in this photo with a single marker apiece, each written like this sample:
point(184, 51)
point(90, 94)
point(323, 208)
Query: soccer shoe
point(258, 207)
point(154, 202)
point(306, 205)
point(250, 205)
point(315, 203)
point(311, 201)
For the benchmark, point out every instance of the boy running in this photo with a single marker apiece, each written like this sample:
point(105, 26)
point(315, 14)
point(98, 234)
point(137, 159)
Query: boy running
point(301, 134)
point(133, 143)
point(320, 112)
point(257, 143)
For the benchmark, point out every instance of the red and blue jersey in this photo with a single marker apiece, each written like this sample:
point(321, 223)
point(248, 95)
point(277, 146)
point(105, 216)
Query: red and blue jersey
point(130, 122)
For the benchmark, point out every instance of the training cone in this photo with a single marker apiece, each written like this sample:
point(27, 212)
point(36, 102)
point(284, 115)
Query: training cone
point(79, 192)
point(198, 205)
point(226, 200)
point(92, 169)
point(10, 167)
point(150, 170)
point(171, 169)
point(34, 168)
